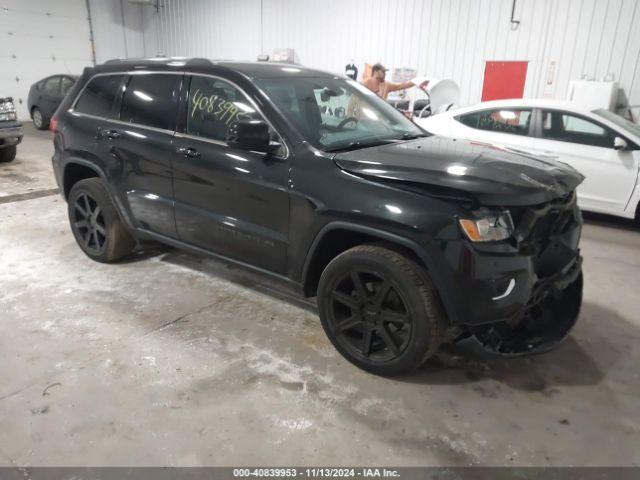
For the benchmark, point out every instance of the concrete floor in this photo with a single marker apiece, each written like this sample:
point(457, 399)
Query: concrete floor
point(171, 359)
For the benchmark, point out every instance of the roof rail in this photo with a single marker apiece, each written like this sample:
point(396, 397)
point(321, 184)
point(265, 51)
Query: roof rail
point(160, 60)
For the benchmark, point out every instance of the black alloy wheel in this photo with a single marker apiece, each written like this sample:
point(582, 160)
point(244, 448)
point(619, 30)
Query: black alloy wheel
point(88, 224)
point(380, 310)
point(369, 315)
point(95, 222)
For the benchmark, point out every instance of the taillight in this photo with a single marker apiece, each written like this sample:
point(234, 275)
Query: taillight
point(53, 124)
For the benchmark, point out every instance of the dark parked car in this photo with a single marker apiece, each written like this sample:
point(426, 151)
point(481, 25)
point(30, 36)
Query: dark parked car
point(11, 132)
point(408, 240)
point(45, 97)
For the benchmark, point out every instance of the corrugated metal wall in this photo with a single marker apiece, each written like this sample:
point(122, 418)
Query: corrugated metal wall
point(117, 29)
point(442, 38)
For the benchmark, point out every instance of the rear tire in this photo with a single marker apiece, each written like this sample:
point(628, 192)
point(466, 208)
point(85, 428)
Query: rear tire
point(380, 310)
point(95, 222)
point(8, 154)
point(39, 120)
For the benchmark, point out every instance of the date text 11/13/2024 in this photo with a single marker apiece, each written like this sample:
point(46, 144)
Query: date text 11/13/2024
point(316, 473)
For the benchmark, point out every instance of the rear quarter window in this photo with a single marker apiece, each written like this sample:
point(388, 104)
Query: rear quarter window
point(99, 96)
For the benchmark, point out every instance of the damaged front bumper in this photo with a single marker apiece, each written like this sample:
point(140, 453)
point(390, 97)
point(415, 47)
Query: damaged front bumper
point(521, 297)
point(544, 322)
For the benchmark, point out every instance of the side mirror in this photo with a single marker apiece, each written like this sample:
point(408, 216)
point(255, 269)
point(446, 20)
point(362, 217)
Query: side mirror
point(620, 144)
point(249, 135)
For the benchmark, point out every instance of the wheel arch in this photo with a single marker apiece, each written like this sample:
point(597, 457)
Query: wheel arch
point(337, 237)
point(76, 169)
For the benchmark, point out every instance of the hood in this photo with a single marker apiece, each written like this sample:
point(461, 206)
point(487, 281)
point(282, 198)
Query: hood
point(492, 175)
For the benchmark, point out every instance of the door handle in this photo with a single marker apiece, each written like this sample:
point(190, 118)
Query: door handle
point(110, 134)
point(188, 152)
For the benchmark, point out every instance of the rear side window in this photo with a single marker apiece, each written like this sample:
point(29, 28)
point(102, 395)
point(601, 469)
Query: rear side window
point(151, 100)
point(504, 120)
point(99, 96)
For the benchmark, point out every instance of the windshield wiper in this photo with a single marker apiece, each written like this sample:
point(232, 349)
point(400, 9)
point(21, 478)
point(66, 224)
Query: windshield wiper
point(412, 136)
point(357, 144)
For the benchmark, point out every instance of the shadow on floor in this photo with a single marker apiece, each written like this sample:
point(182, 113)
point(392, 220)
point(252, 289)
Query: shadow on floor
point(610, 221)
point(467, 363)
point(145, 253)
point(571, 364)
point(30, 130)
point(262, 283)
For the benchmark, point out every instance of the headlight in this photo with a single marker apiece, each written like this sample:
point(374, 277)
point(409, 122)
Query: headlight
point(487, 226)
point(7, 110)
point(7, 106)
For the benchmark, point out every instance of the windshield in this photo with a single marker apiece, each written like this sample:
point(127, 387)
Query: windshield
point(335, 114)
point(619, 121)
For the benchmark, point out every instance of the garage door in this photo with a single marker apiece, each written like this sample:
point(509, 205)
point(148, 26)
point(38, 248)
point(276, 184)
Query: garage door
point(40, 38)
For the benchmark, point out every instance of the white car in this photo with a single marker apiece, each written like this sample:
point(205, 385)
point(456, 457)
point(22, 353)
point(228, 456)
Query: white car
point(601, 145)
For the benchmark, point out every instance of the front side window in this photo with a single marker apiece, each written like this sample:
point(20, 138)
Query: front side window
point(213, 106)
point(621, 122)
point(575, 129)
point(52, 86)
point(99, 96)
point(504, 120)
point(333, 113)
point(151, 100)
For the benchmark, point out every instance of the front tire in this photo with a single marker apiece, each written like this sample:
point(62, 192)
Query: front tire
point(95, 222)
point(380, 310)
point(39, 120)
point(8, 154)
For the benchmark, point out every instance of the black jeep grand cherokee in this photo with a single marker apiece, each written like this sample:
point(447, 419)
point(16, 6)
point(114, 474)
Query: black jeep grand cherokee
point(408, 240)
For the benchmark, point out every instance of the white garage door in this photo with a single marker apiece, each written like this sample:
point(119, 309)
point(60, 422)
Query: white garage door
point(39, 38)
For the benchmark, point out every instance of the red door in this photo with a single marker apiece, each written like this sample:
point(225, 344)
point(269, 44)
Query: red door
point(503, 80)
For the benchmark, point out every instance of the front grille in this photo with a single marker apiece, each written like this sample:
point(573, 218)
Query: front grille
point(555, 222)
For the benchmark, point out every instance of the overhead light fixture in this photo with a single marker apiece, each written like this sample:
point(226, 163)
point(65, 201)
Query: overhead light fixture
point(394, 209)
point(142, 96)
point(457, 170)
point(244, 107)
point(508, 114)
